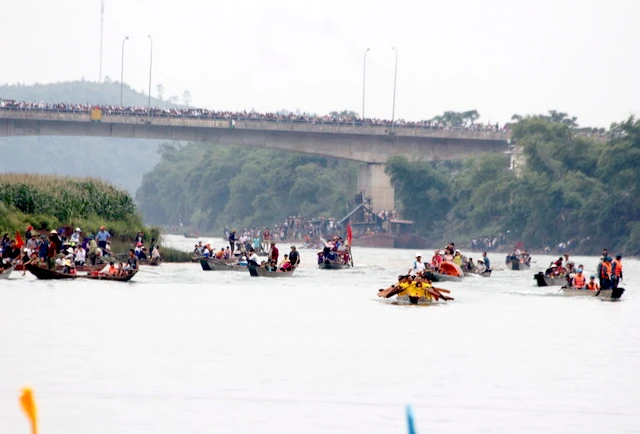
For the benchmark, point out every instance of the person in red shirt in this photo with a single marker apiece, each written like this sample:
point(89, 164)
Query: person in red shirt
point(436, 260)
point(273, 252)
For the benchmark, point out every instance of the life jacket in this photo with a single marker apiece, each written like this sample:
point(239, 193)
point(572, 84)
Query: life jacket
point(578, 281)
point(605, 270)
point(592, 286)
point(618, 267)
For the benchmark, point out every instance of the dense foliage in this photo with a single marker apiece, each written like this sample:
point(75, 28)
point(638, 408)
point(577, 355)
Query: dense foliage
point(121, 161)
point(208, 186)
point(573, 187)
point(49, 202)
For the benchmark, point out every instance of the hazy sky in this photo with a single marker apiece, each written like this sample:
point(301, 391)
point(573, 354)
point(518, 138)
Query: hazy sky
point(497, 56)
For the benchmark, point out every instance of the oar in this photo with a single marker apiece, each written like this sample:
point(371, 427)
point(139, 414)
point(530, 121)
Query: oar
point(28, 405)
point(441, 295)
point(410, 424)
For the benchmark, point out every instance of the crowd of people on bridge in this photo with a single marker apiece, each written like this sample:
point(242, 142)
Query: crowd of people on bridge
point(237, 116)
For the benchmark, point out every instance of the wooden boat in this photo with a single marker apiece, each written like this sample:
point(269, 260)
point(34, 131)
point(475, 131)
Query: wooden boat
point(256, 271)
point(110, 277)
point(221, 265)
point(607, 294)
point(448, 272)
point(152, 262)
point(46, 274)
point(543, 280)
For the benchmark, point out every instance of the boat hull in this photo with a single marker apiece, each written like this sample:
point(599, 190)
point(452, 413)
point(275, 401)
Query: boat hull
point(124, 278)
point(257, 271)
point(607, 294)
point(330, 265)
point(439, 277)
point(46, 274)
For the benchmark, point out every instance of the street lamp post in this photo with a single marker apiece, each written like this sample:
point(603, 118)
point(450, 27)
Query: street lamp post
point(122, 70)
point(364, 77)
point(150, 68)
point(395, 76)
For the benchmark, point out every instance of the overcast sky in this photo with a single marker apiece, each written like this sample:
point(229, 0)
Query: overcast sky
point(497, 56)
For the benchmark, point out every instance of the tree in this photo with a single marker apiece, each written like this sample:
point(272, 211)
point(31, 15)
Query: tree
point(186, 97)
point(160, 88)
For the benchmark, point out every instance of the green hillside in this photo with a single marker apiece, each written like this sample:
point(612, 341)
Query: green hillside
point(120, 161)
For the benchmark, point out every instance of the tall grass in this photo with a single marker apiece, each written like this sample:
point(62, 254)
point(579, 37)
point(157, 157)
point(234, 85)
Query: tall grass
point(64, 197)
point(49, 202)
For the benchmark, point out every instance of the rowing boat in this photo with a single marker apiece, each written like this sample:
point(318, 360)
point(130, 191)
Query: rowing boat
point(110, 277)
point(607, 294)
point(256, 271)
point(220, 265)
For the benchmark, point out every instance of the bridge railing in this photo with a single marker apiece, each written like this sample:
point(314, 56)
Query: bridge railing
point(315, 125)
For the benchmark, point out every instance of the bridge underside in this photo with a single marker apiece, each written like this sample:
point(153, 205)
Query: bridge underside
point(368, 148)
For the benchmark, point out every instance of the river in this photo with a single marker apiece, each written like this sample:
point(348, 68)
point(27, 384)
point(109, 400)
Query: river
point(179, 350)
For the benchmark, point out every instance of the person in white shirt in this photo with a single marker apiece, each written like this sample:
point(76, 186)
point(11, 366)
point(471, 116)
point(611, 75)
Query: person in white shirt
point(75, 237)
point(417, 267)
point(253, 257)
point(81, 255)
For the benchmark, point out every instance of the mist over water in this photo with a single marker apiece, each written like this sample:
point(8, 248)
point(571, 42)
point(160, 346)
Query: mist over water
point(181, 350)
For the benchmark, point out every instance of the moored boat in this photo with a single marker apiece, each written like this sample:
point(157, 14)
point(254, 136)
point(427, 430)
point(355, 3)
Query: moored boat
point(256, 270)
point(46, 274)
point(607, 294)
point(544, 280)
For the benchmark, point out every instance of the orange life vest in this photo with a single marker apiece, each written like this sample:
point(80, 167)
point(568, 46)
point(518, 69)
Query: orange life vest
point(592, 286)
point(618, 269)
point(605, 271)
point(578, 281)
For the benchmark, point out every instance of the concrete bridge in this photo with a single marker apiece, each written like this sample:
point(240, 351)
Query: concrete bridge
point(371, 144)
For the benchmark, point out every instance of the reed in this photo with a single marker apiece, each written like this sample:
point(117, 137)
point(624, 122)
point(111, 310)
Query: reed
point(50, 202)
point(64, 197)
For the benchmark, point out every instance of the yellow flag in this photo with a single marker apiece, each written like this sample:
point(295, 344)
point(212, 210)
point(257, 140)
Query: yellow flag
point(28, 405)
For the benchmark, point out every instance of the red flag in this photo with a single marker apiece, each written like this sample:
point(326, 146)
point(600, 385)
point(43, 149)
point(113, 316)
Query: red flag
point(19, 242)
point(349, 234)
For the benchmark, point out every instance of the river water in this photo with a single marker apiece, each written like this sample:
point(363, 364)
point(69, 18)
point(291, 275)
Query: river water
point(180, 350)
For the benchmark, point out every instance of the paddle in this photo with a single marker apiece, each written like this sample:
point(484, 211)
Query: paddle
point(29, 407)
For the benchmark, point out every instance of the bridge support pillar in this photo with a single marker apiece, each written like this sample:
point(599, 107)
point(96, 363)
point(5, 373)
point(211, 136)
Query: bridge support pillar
point(375, 184)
